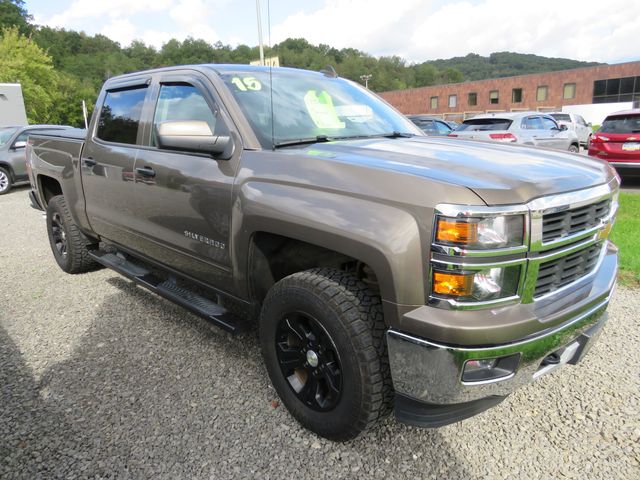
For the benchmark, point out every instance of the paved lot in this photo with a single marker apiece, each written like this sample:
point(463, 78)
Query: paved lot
point(99, 378)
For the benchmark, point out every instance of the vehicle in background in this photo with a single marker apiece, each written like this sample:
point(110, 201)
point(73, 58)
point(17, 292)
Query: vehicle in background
point(13, 139)
point(526, 128)
point(575, 122)
point(452, 124)
point(618, 141)
point(431, 125)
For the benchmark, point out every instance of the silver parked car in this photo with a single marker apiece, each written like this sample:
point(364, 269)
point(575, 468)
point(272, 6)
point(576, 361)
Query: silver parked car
point(12, 159)
point(526, 128)
point(575, 122)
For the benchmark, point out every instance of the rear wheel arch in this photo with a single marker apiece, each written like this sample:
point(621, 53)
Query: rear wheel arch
point(49, 187)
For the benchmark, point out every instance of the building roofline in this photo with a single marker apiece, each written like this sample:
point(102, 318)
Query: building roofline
point(493, 79)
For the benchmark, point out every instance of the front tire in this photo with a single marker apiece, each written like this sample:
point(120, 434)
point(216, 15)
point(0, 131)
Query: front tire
point(68, 243)
point(5, 181)
point(323, 342)
point(573, 148)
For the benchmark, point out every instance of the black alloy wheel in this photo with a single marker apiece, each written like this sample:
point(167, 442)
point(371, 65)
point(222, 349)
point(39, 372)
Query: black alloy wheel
point(309, 360)
point(58, 235)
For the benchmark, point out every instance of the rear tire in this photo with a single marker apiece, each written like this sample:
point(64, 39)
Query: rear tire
point(5, 181)
point(68, 243)
point(323, 341)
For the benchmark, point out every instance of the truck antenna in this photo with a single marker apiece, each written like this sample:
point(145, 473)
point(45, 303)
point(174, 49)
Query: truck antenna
point(273, 135)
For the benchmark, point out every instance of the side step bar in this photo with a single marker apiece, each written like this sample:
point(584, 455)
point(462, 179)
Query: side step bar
point(170, 290)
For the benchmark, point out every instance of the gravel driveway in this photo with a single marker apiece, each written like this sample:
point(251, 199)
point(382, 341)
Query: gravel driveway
point(100, 378)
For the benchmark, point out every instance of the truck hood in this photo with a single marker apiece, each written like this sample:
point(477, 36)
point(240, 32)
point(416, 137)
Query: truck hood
point(499, 174)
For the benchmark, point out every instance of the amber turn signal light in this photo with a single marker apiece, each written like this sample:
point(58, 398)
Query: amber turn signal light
point(452, 284)
point(456, 232)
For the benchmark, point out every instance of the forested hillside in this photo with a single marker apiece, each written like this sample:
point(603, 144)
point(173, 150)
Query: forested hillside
point(58, 68)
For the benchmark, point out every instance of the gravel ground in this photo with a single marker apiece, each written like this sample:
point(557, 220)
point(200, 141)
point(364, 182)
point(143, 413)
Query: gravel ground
point(102, 379)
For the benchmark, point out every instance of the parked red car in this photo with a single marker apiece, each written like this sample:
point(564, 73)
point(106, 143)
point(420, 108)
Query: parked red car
point(618, 141)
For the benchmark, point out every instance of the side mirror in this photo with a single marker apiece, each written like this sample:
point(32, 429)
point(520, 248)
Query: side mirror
point(563, 127)
point(589, 125)
point(18, 145)
point(193, 136)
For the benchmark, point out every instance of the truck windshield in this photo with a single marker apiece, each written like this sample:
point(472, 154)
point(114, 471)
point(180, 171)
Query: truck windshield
point(308, 105)
point(6, 134)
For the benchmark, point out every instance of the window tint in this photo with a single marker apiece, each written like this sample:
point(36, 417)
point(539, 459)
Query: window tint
point(179, 102)
point(532, 123)
point(6, 134)
point(548, 124)
point(621, 124)
point(482, 124)
point(120, 115)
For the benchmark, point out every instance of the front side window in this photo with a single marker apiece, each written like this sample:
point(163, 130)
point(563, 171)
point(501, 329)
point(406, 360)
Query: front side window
point(453, 101)
point(532, 123)
point(120, 115)
point(181, 102)
point(434, 103)
point(542, 93)
point(548, 124)
point(6, 134)
point(493, 97)
point(569, 90)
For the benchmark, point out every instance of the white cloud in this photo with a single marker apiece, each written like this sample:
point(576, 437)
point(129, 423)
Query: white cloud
point(425, 30)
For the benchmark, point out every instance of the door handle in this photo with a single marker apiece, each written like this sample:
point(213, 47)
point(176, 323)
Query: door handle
point(89, 162)
point(146, 171)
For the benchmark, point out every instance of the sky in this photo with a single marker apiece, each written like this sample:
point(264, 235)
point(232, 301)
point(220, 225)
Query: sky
point(416, 30)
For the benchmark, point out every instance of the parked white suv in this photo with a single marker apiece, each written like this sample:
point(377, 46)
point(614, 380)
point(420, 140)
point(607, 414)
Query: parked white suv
point(526, 128)
point(576, 123)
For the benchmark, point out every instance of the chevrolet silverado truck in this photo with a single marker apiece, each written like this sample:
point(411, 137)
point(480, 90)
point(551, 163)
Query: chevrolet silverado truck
point(385, 270)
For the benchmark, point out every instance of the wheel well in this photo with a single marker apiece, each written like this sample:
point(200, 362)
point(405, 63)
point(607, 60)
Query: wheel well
point(8, 168)
point(273, 257)
point(49, 187)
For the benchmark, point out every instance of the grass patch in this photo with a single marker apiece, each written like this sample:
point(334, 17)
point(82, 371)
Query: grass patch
point(626, 235)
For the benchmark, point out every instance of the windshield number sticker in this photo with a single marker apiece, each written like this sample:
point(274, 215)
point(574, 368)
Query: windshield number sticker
point(246, 83)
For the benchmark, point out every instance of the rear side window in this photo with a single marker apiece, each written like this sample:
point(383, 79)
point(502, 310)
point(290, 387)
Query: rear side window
point(120, 115)
point(621, 124)
point(561, 117)
point(532, 123)
point(481, 124)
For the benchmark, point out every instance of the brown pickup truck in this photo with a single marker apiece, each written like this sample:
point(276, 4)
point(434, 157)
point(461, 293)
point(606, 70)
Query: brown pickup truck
point(384, 269)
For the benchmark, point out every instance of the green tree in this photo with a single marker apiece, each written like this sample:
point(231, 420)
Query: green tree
point(14, 14)
point(22, 61)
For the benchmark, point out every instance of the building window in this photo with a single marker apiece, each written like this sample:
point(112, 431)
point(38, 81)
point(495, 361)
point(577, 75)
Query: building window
point(472, 100)
point(542, 93)
point(625, 89)
point(516, 95)
point(493, 97)
point(569, 91)
point(434, 103)
point(453, 101)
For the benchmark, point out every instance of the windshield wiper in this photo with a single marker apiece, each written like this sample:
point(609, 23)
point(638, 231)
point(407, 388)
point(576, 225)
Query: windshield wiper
point(396, 134)
point(302, 141)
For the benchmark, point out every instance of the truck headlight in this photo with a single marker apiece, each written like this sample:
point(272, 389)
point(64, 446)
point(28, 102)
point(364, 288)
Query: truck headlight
point(477, 286)
point(481, 233)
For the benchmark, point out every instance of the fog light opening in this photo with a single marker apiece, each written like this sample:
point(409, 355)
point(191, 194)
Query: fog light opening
point(485, 369)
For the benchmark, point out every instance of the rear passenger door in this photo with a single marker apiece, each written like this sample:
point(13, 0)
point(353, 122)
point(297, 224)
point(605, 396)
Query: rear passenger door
point(183, 199)
point(108, 159)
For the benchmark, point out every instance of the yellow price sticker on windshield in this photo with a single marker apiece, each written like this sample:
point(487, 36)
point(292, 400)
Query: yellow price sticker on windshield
point(247, 83)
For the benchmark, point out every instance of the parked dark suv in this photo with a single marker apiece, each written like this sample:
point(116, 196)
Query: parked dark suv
point(12, 160)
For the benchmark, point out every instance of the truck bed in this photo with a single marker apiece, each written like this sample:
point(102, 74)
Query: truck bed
point(70, 133)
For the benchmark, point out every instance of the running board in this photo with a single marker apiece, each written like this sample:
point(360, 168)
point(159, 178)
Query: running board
point(168, 289)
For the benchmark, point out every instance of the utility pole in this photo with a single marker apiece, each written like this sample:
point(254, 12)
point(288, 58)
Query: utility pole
point(258, 10)
point(366, 79)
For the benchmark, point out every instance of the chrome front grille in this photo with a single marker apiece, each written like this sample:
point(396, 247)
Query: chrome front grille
point(575, 220)
point(562, 271)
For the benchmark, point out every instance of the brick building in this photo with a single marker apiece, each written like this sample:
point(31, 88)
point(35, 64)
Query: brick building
point(540, 91)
